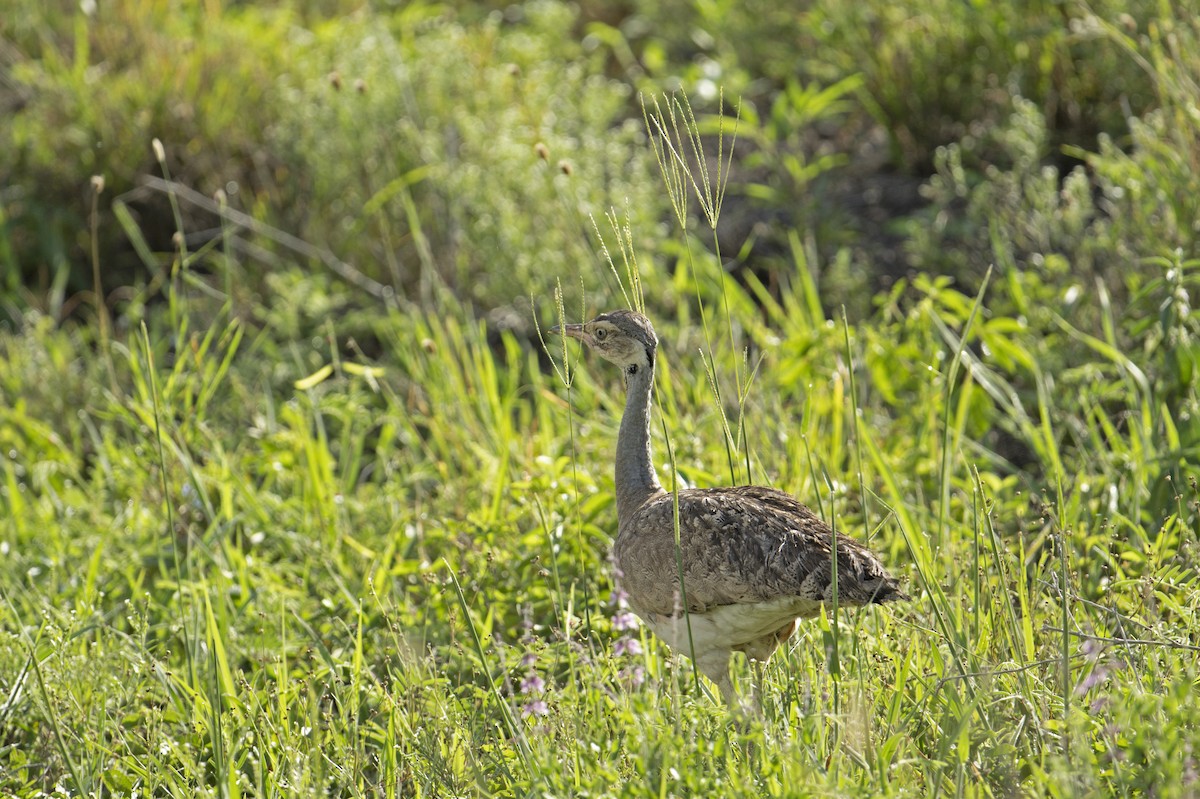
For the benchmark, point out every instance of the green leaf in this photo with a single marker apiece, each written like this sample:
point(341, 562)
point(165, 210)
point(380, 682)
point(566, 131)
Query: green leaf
point(304, 384)
point(363, 371)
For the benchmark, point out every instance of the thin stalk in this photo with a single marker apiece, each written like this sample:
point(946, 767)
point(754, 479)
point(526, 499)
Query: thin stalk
point(182, 570)
point(160, 154)
point(687, 616)
point(566, 377)
point(1065, 596)
point(862, 483)
point(97, 286)
point(227, 249)
point(955, 363)
point(58, 738)
point(514, 729)
point(835, 666)
point(666, 132)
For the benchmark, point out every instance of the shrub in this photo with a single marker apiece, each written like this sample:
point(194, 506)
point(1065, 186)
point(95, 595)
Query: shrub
point(469, 155)
point(418, 149)
point(92, 89)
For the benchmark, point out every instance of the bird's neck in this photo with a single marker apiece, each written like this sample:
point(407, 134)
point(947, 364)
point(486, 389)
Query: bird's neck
point(635, 478)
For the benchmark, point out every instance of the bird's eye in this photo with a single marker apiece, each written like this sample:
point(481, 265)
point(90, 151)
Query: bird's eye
point(600, 334)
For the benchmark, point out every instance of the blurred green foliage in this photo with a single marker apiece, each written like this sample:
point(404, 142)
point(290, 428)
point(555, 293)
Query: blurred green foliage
point(87, 92)
point(474, 156)
point(423, 143)
point(416, 148)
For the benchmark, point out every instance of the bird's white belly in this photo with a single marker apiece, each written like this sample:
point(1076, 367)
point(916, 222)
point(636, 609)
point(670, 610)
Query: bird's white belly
point(728, 626)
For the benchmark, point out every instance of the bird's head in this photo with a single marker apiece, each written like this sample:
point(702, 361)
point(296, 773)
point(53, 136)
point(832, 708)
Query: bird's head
point(625, 338)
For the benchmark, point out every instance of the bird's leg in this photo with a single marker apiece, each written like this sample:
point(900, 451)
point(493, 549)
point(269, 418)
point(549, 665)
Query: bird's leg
point(714, 665)
point(756, 667)
point(728, 692)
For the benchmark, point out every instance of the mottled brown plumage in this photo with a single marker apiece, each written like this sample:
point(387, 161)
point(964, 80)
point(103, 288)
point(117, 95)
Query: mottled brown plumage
point(742, 544)
point(754, 560)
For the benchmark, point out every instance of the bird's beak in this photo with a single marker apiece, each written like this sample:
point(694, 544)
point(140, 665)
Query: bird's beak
point(573, 331)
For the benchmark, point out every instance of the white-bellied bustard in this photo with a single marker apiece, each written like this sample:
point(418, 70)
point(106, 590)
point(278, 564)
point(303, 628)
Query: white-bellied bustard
point(754, 560)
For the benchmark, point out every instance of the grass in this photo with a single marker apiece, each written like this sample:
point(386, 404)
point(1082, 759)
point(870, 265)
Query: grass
point(227, 574)
point(271, 531)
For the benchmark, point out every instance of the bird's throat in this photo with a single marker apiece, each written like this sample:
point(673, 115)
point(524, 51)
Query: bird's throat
point(635, 478)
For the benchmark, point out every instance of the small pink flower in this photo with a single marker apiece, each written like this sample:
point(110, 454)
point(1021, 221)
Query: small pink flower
point(528, 659)
point(625, 621)
point(1098, 675)
point(537, 707)
point(633, 677)
point(619, 597)
point(627, 646)
point(533, 684)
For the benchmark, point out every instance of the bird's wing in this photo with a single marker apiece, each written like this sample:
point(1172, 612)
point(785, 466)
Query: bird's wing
point(741, 545)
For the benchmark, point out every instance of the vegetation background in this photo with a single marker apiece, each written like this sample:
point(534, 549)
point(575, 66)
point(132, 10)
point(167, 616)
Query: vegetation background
point(294, 501)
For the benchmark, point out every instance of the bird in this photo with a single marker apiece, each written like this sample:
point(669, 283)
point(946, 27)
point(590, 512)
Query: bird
point(753, 560)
